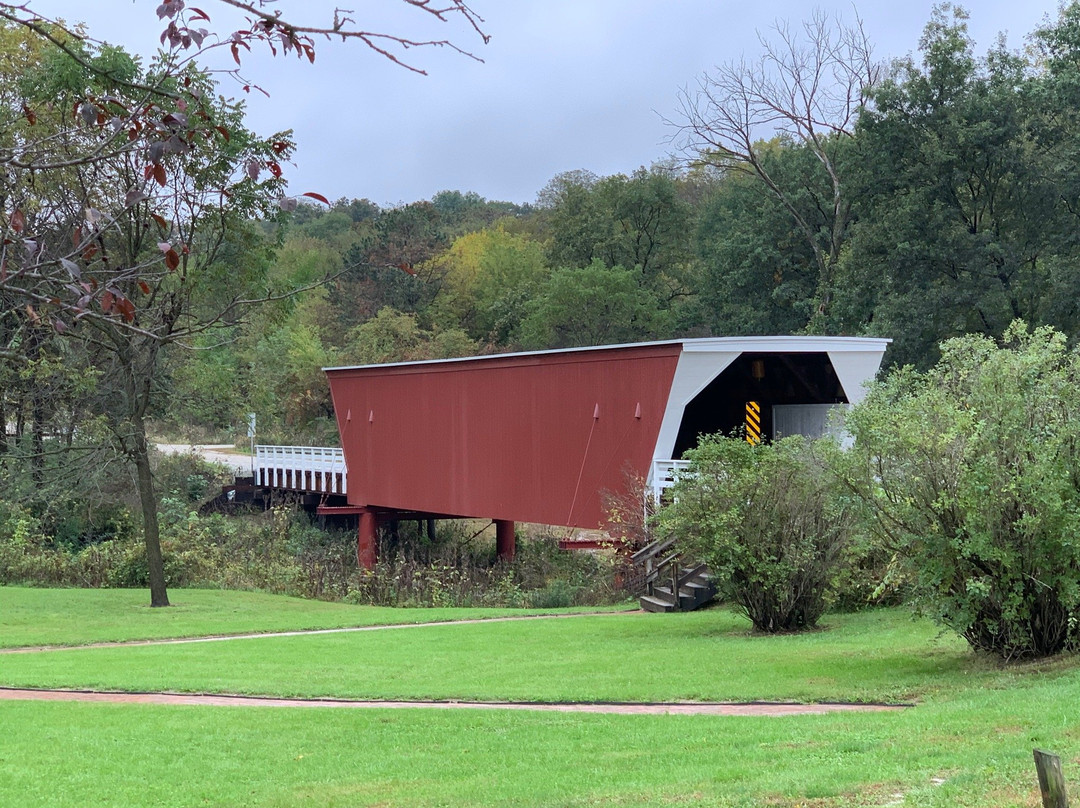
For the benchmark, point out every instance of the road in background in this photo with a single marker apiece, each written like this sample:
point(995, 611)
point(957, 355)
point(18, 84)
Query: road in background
point(223, 453)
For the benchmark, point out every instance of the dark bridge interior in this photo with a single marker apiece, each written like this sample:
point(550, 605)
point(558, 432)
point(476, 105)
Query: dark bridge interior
point(802, 378)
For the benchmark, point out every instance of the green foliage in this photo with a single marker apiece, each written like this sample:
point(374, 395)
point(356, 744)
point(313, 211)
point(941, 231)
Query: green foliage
point(487, 279)
point(767, 522)
point(283, 552)
point(594, 305)
point(393, 336)
point(758, 272)
point(970, 473)
point(964, 216)
point(638, 222)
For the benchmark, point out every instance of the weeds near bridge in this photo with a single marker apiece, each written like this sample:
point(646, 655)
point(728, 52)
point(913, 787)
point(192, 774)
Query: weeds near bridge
point(283, 552)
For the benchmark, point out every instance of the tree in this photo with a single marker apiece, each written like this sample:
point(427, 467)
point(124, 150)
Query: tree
point(757, 273)
point(121, 187)
point(807, 89)
point(639, 222)
point(595, 305)
point(970, 473)
point(768, 522)
point(486, 280)
point(961, 217)
point(393, 336)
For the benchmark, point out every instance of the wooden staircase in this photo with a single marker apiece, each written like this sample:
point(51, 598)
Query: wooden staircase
point(670, 585)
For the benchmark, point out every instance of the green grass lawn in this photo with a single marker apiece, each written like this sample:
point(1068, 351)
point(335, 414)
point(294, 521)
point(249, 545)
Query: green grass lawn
point(702, 656)
point(974, 728)
point(30, 616)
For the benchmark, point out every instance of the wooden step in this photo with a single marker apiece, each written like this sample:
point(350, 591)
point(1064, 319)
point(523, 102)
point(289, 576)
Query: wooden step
point(651, 603)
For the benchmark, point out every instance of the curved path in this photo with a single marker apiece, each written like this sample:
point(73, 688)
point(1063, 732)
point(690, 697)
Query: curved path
point(675, 708)
point(34, 649)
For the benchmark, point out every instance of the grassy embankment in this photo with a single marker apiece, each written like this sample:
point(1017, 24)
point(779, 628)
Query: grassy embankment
point(974, 727)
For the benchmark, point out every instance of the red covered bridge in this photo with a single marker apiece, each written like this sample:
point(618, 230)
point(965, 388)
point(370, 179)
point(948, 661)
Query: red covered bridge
point(539, 437)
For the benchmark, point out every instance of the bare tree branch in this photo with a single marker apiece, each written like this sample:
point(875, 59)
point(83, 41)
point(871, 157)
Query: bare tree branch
point(807, 87)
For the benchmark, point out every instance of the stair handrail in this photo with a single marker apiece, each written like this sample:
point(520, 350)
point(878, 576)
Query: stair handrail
point(651, 550)
point(660, 566)
point(692, 573)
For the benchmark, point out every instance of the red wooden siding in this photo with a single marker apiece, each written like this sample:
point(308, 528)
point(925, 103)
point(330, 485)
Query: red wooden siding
point(530, 438)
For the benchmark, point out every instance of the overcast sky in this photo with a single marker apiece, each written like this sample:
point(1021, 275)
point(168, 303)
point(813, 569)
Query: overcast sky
point(565, 84)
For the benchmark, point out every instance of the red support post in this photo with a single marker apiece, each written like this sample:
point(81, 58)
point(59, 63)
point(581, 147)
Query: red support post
point(366, 539)
point(504, 539)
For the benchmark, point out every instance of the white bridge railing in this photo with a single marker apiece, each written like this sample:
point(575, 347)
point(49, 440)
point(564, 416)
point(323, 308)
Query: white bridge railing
point(662, 476)
point(313, 469)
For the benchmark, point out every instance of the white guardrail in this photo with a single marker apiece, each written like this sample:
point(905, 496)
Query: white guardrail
point(315, 469)
point(662, 476)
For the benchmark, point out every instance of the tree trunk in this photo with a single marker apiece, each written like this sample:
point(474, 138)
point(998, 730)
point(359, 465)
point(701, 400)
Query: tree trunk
point(140, 454)
point(37, 427)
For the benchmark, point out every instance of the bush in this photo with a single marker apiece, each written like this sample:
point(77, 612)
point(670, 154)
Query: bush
point(766, 521)
point(970, 474)
point(283, 552)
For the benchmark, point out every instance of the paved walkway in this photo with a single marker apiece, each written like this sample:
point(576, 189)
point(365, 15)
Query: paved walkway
point(675, 708)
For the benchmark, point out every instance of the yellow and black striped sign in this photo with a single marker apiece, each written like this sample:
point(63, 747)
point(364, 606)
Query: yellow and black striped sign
point(753, 423)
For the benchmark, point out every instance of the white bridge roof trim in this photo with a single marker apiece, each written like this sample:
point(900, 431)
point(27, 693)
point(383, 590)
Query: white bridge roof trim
point(756, 344)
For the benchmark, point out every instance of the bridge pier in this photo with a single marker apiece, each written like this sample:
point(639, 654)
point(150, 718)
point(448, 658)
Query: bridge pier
point(504, 539)
point(367, 540)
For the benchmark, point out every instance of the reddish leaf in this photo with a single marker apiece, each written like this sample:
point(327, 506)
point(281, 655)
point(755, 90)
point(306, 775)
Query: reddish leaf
point(89, 253)
point(318, 197)
point(145, 287)
point(148, 171)
point(407, 268)
point(279, 146)
point(18, 221)
point(275, 169)
point(108, 299)
point(29, 114)
point(172, 260)
point(160, 220)
point(224, 132)
point(310, 51)
point(198, 14)
point(159, 173)
point(126, 309)
point(76, 237)
point(235, 53)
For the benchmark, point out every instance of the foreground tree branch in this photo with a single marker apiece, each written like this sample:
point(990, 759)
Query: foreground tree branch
point(121, 189)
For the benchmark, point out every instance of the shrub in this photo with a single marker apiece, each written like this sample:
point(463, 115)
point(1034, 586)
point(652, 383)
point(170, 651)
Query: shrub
point(766, 521)
point(970, 474)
